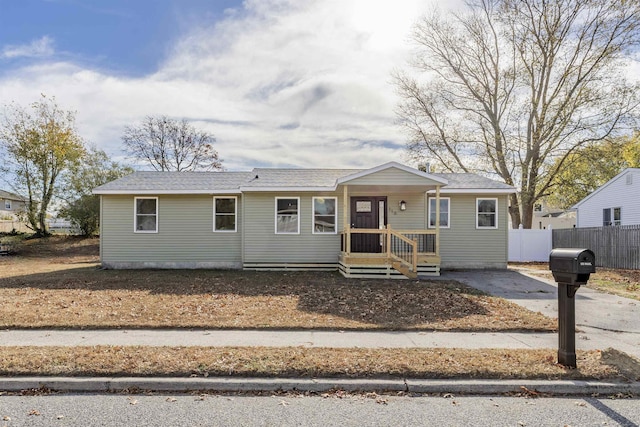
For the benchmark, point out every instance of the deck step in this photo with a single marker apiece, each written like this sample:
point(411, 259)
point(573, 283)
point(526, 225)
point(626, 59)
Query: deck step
point(399, 266)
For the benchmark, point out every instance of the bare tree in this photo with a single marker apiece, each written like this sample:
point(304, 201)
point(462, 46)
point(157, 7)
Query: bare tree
point(513, 87)
point(171, 145)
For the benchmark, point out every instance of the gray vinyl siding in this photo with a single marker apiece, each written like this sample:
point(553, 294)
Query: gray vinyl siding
point(263, 245)
point(413, 218)
point(185, 237)
point(463, 245)
point(391, 176)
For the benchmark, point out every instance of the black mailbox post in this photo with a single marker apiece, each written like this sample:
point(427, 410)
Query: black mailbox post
point(571, 268)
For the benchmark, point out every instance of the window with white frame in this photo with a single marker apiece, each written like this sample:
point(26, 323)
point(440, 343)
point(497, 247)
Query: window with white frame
point(287, 215)
point(146, 215)
point(611, 216)
point(7, 205)
point(325, 215)
point(444, 212)
point(486, 213)
point(225, 214)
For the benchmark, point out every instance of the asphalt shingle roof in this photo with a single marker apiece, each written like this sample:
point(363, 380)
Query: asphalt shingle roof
point(460, 181)
point(5, 195)
point(261, 178)
point(177, 181)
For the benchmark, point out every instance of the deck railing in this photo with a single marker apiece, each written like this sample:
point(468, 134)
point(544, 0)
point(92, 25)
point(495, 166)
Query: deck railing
point(401, 245)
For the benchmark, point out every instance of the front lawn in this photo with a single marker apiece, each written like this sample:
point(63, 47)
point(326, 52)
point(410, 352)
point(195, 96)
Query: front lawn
point(53, 283)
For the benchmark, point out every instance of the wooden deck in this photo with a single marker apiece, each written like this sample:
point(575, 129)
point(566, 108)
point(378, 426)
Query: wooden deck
point(400, 253)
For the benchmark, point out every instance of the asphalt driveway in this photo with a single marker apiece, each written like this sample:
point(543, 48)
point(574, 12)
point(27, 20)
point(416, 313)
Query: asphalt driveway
point(602, 320)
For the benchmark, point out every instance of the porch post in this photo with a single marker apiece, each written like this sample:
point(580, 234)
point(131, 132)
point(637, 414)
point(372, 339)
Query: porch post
point(438, 220)
point(346, 227)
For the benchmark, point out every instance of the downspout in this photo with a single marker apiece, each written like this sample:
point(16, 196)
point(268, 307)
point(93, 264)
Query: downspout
point(100, 228)
point(438, 220)
point(346, 225)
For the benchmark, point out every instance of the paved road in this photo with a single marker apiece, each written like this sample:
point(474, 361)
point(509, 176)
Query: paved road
point(343, 410)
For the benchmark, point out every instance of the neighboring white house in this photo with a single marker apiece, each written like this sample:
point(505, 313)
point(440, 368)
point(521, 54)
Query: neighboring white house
point(11, 205)
point(615, 203)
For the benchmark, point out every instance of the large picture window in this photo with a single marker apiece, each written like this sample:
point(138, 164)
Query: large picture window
point(324, 215)
point(444, 212)
point(487, 213)
point(287, 215)
point(146, 215)
point(225, 214)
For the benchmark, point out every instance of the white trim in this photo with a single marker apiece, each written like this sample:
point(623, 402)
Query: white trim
point(163, 192)
point(448, 199)
point(135, 215)
point(603, 186)
point(486, 227)
point(7, 204)
point(286, 189)
point(275, 222)
point(474, 191)
point(313, 215)
point(235, 214)
point(390, 165)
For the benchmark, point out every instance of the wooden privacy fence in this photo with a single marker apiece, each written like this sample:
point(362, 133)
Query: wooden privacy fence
point(614, 247)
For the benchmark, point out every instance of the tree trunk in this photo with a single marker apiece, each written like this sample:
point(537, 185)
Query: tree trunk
point(514, 211)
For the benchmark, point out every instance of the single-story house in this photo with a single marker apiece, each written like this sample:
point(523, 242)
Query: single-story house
point(390, 220)
point(614, 203)
point(11, 205)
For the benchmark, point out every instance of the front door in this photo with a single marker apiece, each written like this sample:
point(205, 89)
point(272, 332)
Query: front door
point(368, 212)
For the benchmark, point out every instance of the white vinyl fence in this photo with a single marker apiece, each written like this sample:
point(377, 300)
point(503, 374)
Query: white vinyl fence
point(530, 245)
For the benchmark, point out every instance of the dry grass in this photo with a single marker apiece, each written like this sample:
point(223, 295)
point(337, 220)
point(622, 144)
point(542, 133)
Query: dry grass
point(311, 362)
point(56, 283)
point(624, 283)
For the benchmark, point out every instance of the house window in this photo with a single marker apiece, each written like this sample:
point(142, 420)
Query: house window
point(486, 213)
point(287, 215)
point(146, 216)
point(444, 212)
point(324, 215)
point(7, 205)
point(224, 214)
point(611, 216)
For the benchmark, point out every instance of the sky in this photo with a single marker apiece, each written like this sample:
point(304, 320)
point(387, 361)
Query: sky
point(279, 83)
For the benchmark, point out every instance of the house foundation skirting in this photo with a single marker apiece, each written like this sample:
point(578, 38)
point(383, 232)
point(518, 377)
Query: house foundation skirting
point(381, 271)
point(275, 266)
point(173, 265)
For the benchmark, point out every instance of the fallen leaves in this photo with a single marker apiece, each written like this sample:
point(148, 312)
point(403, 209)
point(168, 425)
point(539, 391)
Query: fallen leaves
point(309, 362)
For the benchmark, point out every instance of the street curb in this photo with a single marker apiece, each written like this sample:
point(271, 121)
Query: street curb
point(235, 384)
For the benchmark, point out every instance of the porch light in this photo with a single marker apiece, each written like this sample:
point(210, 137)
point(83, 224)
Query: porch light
point(403, 205)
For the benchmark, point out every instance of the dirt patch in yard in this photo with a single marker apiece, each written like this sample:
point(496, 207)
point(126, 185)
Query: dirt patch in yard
point(312, 362)
point(58, 284)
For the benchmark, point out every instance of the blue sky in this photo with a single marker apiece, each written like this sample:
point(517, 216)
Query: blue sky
point(300, 83)
point(123, 36)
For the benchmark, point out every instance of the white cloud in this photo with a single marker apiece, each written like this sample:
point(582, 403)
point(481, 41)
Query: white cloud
point(41, 47)
point(280, 83)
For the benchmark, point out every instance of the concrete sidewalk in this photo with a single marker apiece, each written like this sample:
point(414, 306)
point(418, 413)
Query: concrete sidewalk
point(278, 338)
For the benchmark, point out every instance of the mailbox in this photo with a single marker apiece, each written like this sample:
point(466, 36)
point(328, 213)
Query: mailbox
point(572, 266)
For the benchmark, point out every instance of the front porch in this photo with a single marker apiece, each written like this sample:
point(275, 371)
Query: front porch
point(389, 253)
